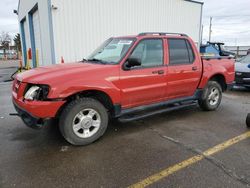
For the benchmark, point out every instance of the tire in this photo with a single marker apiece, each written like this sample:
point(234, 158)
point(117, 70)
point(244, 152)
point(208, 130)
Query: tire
point(83, 121)
point(209, 101)
point(248, 120)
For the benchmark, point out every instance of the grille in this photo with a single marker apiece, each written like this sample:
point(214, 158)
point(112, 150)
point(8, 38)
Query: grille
point(242, 74)
point(16, 85)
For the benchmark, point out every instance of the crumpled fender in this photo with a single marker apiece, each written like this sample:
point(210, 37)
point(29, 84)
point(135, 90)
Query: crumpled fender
point(75, 86)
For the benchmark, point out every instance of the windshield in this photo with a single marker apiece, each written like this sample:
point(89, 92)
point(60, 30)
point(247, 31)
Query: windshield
point(245, 59)
point(112, 50)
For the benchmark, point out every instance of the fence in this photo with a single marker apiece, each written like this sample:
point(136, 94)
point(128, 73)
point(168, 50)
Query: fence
point(238, 50)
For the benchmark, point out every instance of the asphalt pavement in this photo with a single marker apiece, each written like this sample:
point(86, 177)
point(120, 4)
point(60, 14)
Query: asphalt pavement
point(7, 68)
point(129, 152)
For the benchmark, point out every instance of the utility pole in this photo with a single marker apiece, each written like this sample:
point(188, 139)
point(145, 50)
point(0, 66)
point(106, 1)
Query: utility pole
point(210, 28)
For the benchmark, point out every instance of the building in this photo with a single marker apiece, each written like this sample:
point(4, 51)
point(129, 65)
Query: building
point(56, 29)
point(10, 53)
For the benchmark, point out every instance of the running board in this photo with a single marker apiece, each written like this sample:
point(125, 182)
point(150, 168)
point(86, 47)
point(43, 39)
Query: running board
point(128, 118)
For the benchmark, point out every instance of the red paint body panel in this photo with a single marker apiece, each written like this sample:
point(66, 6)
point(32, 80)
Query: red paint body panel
point(41, 109)
point(127, 88)
point(67, 79)
point(141, 86)
point(212, 67)
point(182, 80)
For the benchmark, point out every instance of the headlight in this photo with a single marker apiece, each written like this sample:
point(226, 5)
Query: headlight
point(36, 92)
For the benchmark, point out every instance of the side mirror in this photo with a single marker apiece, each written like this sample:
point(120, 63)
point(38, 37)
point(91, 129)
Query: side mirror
point(132, 62)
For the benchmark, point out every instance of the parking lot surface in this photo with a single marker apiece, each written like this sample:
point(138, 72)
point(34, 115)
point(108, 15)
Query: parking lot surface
point(129, 153)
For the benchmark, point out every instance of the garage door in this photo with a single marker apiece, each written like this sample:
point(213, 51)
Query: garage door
point(37, 37)
point(27, 37)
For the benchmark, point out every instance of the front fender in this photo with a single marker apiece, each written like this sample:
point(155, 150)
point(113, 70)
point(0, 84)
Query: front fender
point(69, 88)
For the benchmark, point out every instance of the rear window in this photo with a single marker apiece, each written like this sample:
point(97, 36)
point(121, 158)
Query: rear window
point(180, 52)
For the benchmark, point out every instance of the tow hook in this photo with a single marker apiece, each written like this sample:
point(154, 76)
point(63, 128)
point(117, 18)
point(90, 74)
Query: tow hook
point(13, 114)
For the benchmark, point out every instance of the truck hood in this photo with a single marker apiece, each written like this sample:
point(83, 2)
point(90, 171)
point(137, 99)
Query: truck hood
point(63, 72)
point(242, 67)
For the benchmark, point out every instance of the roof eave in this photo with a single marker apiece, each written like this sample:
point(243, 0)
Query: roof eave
point(192, 1)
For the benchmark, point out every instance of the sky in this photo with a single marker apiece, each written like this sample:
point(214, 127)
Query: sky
point(230, 23)
point(8, 20)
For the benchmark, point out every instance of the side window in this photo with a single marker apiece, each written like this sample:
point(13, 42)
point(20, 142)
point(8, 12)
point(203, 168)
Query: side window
point(190, 52)
point(180, 52)
point(150, 52)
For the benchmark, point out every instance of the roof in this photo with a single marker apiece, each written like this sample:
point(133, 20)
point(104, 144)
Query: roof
point(18, 6)
point(192, 1)
point(195, 2)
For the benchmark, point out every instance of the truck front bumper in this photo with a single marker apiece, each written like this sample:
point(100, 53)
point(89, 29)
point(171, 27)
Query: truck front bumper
point(35, 113)
point(29, 120)
point(242, 79)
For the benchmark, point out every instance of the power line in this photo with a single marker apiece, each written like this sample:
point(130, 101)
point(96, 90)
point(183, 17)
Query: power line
point(226, 16)
point(4, 25)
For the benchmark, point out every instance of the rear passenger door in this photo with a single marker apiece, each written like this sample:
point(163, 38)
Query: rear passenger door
point(184, 68)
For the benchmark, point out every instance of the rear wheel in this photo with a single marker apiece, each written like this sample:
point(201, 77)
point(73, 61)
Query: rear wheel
point(248, 120)
point(211, 96)
point(83, 121)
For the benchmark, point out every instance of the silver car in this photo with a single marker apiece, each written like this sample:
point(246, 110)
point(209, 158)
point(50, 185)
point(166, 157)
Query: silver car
point(242, 72)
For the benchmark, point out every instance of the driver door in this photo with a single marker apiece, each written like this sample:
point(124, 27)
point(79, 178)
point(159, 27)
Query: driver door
point(144, 84)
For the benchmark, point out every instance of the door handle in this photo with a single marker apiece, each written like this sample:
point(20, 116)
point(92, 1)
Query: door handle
point(158, 72)
point(194, 68)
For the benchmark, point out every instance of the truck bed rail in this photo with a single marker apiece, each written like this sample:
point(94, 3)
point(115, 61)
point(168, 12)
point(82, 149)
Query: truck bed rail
point(219, 58)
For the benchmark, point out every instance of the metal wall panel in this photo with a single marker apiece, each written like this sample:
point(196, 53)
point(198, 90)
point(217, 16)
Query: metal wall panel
point(81, 25)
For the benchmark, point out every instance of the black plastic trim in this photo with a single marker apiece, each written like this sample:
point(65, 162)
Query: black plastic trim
point(219, 58)
point(123, 112)
point(162, 33)
point(29, 120)
point(124, 119)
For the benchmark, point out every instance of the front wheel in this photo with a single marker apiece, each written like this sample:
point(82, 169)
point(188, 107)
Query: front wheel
point(83, 121)
point(211, 96)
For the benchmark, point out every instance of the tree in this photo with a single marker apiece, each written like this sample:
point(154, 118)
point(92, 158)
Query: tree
point(5, 40)
point(17, 42)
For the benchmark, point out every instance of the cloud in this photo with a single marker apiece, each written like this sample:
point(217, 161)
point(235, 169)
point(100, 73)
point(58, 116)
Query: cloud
point(231, 21)
point(8, 20)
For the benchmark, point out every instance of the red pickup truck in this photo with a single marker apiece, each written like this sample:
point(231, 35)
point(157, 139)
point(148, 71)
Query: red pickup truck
point(126, 78)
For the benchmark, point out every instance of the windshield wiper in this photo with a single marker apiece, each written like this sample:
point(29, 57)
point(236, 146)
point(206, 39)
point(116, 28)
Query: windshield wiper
point(98, 61)
point(83, 60)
